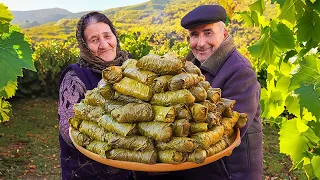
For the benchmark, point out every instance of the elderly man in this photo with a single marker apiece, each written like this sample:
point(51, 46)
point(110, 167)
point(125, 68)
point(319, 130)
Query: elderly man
point(214, 52)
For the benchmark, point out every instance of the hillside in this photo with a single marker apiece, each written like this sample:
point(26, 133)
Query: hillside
point(38, 17)
point(159, 20)
point(160, 16)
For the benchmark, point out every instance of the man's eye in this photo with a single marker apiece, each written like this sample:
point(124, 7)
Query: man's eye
point(208, 33)
point(193, 35)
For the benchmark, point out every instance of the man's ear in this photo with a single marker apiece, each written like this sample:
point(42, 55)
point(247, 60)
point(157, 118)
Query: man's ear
point(225, 33)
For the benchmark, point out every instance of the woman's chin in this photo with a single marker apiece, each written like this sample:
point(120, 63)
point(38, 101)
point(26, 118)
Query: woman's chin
point(107, 59)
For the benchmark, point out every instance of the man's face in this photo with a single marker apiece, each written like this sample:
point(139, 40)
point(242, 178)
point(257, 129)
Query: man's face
point(205, 39)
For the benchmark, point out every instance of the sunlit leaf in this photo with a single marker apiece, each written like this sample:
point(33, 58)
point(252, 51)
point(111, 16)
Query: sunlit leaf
point(273, 99)
point(9, 90)
point(288, 11)
point(229, 6)
point(293, 142)
point(293, 106)
point(281, 2)
point(264, 48)
point(259, 6)
point(315, 5)
point(5, 15)
point(310, 99)
point(15, 54)
point(308, 26)
point(283, 84)
point(308, 73)
point(283, 38)
point(5, 110)
point(316, 164)
point(246, 17)
point(307, 166)
point(302, 127)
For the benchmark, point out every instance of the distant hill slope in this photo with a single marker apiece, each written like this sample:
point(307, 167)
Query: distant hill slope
point(125, 17)
point(157, 19)
point(27, 19)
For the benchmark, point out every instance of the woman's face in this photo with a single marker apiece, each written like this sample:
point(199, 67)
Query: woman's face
point(101, 41)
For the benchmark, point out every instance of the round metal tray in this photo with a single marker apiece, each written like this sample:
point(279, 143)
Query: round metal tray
point(160, 167)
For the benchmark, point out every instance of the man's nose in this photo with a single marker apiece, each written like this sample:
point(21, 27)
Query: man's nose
point(201, 41)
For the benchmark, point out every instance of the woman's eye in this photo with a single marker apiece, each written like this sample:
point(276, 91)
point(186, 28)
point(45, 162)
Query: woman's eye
point(94, 40)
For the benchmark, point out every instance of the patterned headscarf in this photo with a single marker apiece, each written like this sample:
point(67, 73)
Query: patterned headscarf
point(87, 58)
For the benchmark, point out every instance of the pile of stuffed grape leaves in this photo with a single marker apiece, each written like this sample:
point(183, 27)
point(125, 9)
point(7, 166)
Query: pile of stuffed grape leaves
point(158, 109)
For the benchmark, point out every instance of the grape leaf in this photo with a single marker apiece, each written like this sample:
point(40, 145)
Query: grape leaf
point(316, 165)
point(308, 168)
point(288, 11)
point(282, 37)
point(15, 54)
point(4, 27)
point(259, 6)
point(308, 26)
point(246, 17)
point(293, 106)
point(9, 90)
point(308, 73)
point(315, 5)
point(264, 48)
point(293, 142)
point(316, 128)
point(310, 99)
point(5, 15)
point(5, 18)
point(283, 84)
point(273, 100)
point(281, 2)
point(229, 6)
point(5, 110)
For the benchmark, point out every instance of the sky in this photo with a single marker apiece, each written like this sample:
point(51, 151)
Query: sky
point(70, 5)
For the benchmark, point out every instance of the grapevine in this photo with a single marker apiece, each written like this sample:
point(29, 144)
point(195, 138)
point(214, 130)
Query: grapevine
point(289, 48)
point(15, 54)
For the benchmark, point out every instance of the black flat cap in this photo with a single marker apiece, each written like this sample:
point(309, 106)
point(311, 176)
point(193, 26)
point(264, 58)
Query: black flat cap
point(204, 14)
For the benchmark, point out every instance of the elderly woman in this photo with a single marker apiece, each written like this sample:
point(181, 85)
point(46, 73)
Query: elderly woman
point(99, 48)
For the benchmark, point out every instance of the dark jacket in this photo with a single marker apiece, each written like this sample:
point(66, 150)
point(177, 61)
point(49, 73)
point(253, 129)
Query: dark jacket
point(233, 73)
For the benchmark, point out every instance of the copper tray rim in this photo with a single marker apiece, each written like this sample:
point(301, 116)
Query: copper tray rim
point(158, 167)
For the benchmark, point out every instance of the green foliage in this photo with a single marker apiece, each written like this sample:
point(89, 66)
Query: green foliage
point(136, 45)
point(289, 48)
point(15, 55)
point(5, 110)
point(50, 57)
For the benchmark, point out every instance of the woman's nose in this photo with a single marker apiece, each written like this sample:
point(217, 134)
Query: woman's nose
point(103, 43)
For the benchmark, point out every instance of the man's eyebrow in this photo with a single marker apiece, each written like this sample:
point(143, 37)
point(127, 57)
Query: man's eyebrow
point(207, 29)
point(193, 33)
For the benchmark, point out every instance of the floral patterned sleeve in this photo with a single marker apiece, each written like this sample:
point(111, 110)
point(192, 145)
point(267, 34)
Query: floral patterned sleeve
point(71, 91)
